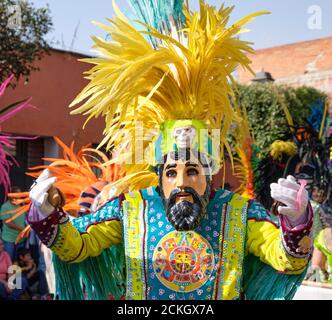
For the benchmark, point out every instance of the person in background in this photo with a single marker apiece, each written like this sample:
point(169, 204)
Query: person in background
point(11, 230)
point(32, 243)
point(46, 265)
point(321, 263)
point(6, 293)
point(37, 284)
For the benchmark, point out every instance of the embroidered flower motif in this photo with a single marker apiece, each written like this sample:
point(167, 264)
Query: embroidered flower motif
point(214, 222)
point(200, 292)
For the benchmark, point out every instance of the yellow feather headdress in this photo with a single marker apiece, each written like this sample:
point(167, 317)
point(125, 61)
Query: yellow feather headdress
point(243, 168)
point(187, 76)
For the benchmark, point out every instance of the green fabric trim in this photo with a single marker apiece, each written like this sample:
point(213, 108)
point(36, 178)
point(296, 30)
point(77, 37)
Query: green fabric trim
point(99, 277)
point(68, 284)
point(262, 282)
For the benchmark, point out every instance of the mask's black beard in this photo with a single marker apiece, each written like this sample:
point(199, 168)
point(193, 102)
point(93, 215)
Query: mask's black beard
point(185, 216)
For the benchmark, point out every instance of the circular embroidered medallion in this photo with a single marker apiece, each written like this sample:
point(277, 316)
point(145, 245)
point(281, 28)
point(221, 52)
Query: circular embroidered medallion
point(183, 261)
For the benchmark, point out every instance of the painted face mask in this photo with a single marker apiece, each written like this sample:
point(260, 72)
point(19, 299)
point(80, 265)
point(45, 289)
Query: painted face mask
point(185, 191)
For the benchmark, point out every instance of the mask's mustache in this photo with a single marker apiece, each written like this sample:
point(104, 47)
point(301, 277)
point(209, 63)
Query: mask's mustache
point(189, 190)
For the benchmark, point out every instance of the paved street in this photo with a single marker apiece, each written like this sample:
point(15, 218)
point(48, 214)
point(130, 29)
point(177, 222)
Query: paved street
point(313, 293)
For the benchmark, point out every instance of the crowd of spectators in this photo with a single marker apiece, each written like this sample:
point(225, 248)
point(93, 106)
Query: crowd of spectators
point(23, 263)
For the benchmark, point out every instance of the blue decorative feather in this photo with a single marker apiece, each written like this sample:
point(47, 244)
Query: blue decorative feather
point(317, 113)
point(159, 14)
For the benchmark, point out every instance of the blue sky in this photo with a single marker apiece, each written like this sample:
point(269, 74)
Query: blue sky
point(288, 22)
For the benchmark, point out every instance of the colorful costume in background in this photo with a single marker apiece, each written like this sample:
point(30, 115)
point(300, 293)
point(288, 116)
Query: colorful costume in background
point(321, 269)
point(177, 69)
point(323, 242)
point(303, 152)
point(6, 159)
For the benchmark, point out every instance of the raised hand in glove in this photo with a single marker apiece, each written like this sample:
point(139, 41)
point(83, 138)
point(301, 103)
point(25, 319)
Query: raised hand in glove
point(293, 196)
point(44, 196)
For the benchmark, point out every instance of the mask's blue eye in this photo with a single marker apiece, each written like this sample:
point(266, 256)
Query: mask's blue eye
point(192, 172)
point(171, 174)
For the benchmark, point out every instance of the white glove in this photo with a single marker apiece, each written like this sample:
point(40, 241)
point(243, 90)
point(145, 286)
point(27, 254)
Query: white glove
point(39, 195)
point(292, 195)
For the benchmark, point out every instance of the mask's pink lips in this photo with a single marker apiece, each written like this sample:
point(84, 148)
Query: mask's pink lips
point(183, 196)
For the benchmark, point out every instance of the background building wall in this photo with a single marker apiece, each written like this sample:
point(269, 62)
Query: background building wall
point(305, 63)
point(52, 89)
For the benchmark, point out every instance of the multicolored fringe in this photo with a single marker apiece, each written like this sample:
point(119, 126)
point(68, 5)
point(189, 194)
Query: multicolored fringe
point(96, 278)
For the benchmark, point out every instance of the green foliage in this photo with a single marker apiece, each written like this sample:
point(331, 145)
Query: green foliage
point(22, 37)
point(263, 102)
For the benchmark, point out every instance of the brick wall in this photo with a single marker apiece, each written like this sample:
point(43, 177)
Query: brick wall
point(304, 63)
point(291, 60)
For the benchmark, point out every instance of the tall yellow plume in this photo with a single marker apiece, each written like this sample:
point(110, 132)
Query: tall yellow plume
point(243, 168)
point(189, 76)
